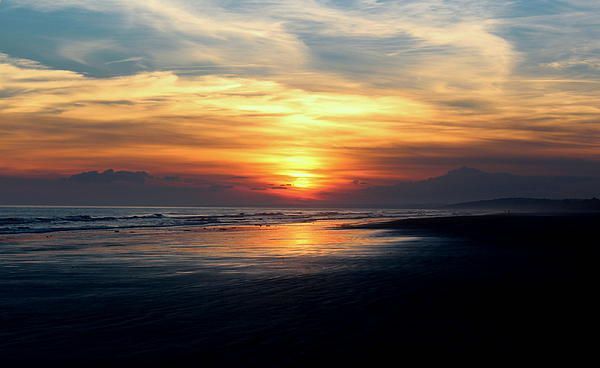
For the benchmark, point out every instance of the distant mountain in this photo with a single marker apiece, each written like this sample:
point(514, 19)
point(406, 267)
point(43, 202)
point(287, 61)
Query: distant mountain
point(532, 204)
point(469, 184)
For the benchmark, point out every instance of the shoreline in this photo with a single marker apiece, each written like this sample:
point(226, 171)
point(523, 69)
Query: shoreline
point(293, 295)
point(550, 228)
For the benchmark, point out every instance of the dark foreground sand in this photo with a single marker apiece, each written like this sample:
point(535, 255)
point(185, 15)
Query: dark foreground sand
point(573, 230)
point(486, 289)
point(539, 304)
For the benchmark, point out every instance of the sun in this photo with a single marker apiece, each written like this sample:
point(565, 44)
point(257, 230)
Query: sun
point(298, 171)
point(303, 182)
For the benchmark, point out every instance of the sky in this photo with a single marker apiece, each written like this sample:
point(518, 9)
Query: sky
point(297, 99)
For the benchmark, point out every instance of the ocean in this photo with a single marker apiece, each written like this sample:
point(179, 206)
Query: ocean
point(27, 219)
point(261, 287)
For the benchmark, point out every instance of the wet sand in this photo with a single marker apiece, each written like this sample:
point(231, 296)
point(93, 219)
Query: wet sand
point(297, 295)
point(541, 229)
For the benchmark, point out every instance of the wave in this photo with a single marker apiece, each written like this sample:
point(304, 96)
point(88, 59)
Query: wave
point(75, 218)
point(40, 220)
point(29, 230)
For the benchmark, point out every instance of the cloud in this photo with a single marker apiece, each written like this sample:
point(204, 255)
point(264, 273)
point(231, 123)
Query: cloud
point(76, 95)
point(286, 36)
point(126, 188)
point(592, 63)
point(191, 32)
point(297, 92)
point(110, 176)
point(436, 49)
point(267, 130)
point(468, 184)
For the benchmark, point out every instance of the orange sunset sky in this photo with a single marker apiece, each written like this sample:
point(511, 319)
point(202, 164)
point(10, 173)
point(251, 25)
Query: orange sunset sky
point(312, 96)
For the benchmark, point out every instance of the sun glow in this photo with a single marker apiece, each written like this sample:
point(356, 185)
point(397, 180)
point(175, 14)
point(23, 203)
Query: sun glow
point(300, 171)
point(303, 181)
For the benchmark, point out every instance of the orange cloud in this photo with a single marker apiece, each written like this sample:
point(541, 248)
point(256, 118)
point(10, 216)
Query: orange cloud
point(293, 138)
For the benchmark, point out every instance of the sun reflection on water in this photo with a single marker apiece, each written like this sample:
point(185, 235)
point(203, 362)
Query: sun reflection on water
point(288, 248)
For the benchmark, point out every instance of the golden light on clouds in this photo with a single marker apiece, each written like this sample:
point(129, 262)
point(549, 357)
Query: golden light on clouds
point(297, 98)
point(248, 122)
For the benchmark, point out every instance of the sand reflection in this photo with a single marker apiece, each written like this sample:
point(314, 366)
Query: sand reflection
point(304, 247)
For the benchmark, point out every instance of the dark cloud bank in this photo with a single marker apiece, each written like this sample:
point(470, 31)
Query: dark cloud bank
point(468, 184)
point(123, 188)
point(139, 188)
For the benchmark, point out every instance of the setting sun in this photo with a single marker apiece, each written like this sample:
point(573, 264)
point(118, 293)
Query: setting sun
point(302, 181)
point(252, 102)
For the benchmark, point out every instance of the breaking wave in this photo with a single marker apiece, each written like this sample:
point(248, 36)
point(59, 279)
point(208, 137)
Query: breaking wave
point(14, 220)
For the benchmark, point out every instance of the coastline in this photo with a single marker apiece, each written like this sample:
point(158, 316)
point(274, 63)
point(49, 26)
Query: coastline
point(532, 228)
point(297, 294)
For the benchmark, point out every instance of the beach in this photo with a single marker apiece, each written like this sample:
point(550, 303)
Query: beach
point(568, 230)
point(334, 291)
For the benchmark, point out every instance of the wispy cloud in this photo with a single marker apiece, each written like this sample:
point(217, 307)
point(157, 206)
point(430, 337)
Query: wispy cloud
point(287, 90)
